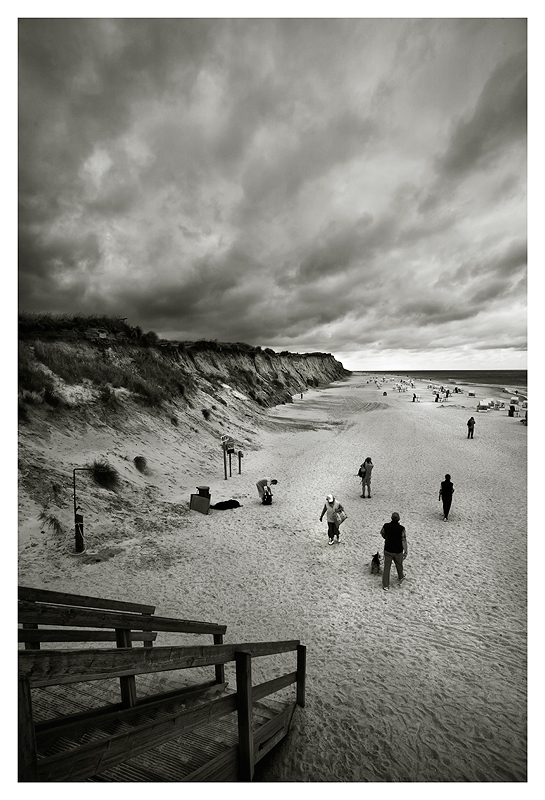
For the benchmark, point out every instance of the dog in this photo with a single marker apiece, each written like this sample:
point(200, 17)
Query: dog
point(227, 504)
point(375, 564)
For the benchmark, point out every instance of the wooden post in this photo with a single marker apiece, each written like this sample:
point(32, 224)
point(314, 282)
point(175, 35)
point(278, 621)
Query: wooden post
point(31, 626)
point(244, 709)
point(146, 643)
point(28, 760)
point(126, 682)
point(220, 668)
point(225, 460)
point(301, 674)
point(239, 462)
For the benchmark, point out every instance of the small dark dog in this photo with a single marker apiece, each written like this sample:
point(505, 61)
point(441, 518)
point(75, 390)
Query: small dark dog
point(375, 564)
point(224, 504)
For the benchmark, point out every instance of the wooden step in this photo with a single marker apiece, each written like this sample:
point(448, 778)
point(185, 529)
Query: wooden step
point(208, 754)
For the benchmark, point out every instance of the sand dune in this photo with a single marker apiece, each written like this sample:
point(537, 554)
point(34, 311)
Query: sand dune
point(426, 683)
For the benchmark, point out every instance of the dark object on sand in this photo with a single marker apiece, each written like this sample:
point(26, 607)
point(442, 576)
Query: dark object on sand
point(223, 504)
point(375, 564)
point(267, 499)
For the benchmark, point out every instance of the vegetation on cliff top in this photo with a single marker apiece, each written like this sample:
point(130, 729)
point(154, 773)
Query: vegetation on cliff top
point(104, 354)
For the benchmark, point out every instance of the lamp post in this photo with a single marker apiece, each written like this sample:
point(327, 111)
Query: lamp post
point(78, 518)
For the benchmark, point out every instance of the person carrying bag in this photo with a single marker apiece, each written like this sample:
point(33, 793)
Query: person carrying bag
point(335, 514)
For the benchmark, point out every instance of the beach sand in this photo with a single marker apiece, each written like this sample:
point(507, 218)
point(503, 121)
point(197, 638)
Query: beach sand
point(426, 683)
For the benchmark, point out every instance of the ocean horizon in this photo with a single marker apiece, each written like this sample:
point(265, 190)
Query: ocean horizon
point(509, 378)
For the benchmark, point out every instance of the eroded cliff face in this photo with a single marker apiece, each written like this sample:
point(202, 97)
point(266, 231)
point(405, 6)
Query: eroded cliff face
point(264, 378)
point(59, 369)
point(166, 406)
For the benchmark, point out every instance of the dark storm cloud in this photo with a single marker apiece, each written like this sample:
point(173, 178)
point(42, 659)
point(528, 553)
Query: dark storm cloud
point(506, 265)
point(328, 184)
point(498, 120)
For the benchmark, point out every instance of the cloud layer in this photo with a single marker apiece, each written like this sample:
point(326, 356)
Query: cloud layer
point(353, 186)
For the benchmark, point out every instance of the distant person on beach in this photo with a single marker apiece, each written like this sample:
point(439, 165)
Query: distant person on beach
point(395, 549)
point(470, 426)
point(366, 478)
point(264, 485)
point(330, 509)
point(445, 494)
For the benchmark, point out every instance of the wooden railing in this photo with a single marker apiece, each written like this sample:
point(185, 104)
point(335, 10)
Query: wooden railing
point(42, 668)
point(127, 622)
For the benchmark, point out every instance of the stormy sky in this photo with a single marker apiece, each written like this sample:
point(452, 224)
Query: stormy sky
point(352, 186)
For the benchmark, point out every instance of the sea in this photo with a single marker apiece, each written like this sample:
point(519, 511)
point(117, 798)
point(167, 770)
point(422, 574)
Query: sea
point(506, 378)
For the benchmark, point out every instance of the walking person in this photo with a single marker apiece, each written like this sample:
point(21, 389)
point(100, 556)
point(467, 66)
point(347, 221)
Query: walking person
point(395, 549)
point(330, 509)
point(366, 479)
point(470, 426)
point(445, 494)
point(264, 485)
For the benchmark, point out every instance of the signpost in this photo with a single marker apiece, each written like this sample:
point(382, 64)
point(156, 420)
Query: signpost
point(228, 447)
point(78, 518)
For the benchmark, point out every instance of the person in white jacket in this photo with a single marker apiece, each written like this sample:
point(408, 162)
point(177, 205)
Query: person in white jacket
point(264, 485)
point(330, 508)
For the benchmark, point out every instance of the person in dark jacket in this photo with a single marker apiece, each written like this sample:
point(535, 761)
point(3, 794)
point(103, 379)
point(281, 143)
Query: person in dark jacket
point(395, 549)
point(366, 477)
point(445, 494)
point(470, 427)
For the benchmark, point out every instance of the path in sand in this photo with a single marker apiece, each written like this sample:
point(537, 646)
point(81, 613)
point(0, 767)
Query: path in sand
point(426, 683)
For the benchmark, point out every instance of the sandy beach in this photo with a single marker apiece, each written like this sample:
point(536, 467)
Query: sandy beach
point(426, 683)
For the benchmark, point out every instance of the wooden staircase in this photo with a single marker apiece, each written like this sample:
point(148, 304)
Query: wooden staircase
point(133, 714)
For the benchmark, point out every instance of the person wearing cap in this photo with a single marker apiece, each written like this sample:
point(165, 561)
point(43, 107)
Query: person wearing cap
point(395, 549)
point(330, 508)
point(264, 485)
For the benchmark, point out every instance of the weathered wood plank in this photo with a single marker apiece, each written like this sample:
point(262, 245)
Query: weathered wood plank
point(221, 768)
point(56, 667)
point(220, 669)
point(301, 674)
point(90, 759)
point(76, 725)
point(271, 734)
point(28, 771)
point(244, 708)
point(274, 685)
point(270, 728)
point(64, 635)
point(63, 598)
point(44, 614)
point(31, 644)
point(127, 683)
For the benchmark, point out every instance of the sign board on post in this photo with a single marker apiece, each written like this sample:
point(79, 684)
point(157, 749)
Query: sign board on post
point(228, 446)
